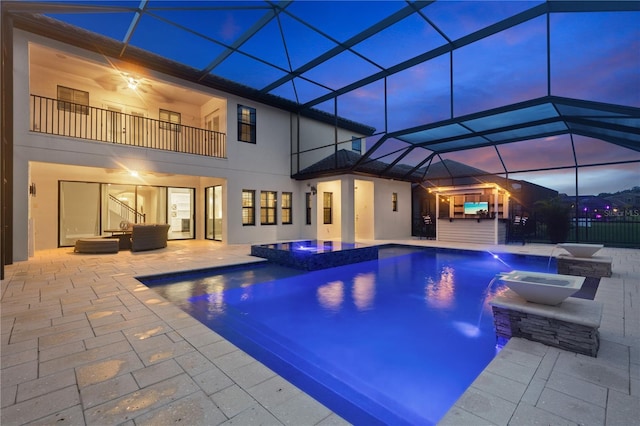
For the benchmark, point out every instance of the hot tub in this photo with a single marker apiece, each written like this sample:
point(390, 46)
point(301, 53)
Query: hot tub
point(312, 255)
point(544, 288)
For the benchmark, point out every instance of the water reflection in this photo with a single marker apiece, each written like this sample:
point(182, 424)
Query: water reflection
point(364, 291)
point(247, 294)
point(249, 278)
point(496, 292)
point(441, 294)
point(331, 295)
point(215, 304)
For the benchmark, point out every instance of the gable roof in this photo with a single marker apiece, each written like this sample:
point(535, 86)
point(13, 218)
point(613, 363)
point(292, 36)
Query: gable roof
point(345, 161)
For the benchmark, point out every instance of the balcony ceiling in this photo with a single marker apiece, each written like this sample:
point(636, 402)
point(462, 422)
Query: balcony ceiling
point(114, 78)
point(422, 78)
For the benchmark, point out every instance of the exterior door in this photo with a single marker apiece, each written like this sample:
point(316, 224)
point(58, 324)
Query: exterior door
point(213, 213)
point(136, 129)
point(114, 124)
point(212, 122)
point(363, 206)
point(181, 213)
point(212, 139)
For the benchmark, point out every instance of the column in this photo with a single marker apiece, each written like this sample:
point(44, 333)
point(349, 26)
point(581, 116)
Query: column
point(347, 210)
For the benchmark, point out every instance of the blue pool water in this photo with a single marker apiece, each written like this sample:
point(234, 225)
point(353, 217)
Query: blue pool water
point(394, 341)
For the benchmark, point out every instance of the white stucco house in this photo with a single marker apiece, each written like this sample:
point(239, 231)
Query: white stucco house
point(97, 140)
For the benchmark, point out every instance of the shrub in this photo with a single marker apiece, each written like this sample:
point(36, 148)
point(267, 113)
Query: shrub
point(556, 216)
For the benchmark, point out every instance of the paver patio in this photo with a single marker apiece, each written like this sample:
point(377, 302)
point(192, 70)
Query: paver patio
point(84, 342)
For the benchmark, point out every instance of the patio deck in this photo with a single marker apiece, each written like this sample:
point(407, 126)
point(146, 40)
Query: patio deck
point(83, 342)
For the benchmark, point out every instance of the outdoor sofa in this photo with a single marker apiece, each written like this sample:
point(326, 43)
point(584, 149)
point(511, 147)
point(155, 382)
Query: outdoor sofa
point(148, 236)
point(96, 245)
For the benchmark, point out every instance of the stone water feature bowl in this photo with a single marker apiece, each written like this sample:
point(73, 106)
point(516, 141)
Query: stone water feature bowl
point(543, 288)
point(581, 250)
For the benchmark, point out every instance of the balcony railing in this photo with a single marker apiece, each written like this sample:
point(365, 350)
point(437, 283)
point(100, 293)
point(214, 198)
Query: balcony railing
point(61, 118)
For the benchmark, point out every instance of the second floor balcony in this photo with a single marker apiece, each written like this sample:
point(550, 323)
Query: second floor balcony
point(61, 118)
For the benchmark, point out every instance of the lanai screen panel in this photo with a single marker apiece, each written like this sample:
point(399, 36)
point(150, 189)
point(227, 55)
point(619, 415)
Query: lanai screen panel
point(429, 68)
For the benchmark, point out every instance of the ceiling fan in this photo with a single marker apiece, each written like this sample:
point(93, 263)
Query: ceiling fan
point(136, 83)
point(125, 81)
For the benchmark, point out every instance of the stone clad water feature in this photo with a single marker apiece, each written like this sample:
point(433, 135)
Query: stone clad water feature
point(581, 261)
point(538, 307)
point(573, 325)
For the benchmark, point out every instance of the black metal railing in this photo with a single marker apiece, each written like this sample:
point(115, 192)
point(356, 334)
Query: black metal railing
point(125, 211)
point(617, 232)
point(86, 122)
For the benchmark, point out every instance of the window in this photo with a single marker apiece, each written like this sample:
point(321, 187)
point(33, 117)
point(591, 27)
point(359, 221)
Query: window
point(248, 207)
point(170, 120)
point(73, 100)
point(327, 207)
point(246, 124)
point(356, 144)
point(268, 207)
point(308, 207)
point(287, 217)
point(394, 201)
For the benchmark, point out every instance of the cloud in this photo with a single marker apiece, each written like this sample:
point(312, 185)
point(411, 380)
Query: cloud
point(230, 29)
point(591, 180)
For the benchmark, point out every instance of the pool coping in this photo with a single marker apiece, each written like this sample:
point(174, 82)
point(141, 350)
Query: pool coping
point(572, 309)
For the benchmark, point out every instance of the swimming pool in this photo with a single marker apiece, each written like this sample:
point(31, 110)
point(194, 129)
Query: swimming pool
point(393, 341)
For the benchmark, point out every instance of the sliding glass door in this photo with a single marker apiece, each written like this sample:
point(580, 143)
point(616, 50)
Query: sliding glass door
point(118, 206)
point(132, 204)
point(88, 209)
point(213, 213)
point(78, 211)
point(180, 212)
point(152, 203)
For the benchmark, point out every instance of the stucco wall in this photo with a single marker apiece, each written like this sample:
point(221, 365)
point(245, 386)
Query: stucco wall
point(317, 142)
point(391, 224)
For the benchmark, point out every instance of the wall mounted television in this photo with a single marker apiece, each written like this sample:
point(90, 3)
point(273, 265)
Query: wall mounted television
point(471, 207)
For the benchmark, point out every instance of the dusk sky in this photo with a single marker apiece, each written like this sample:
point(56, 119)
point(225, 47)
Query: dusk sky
point(594, 57)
